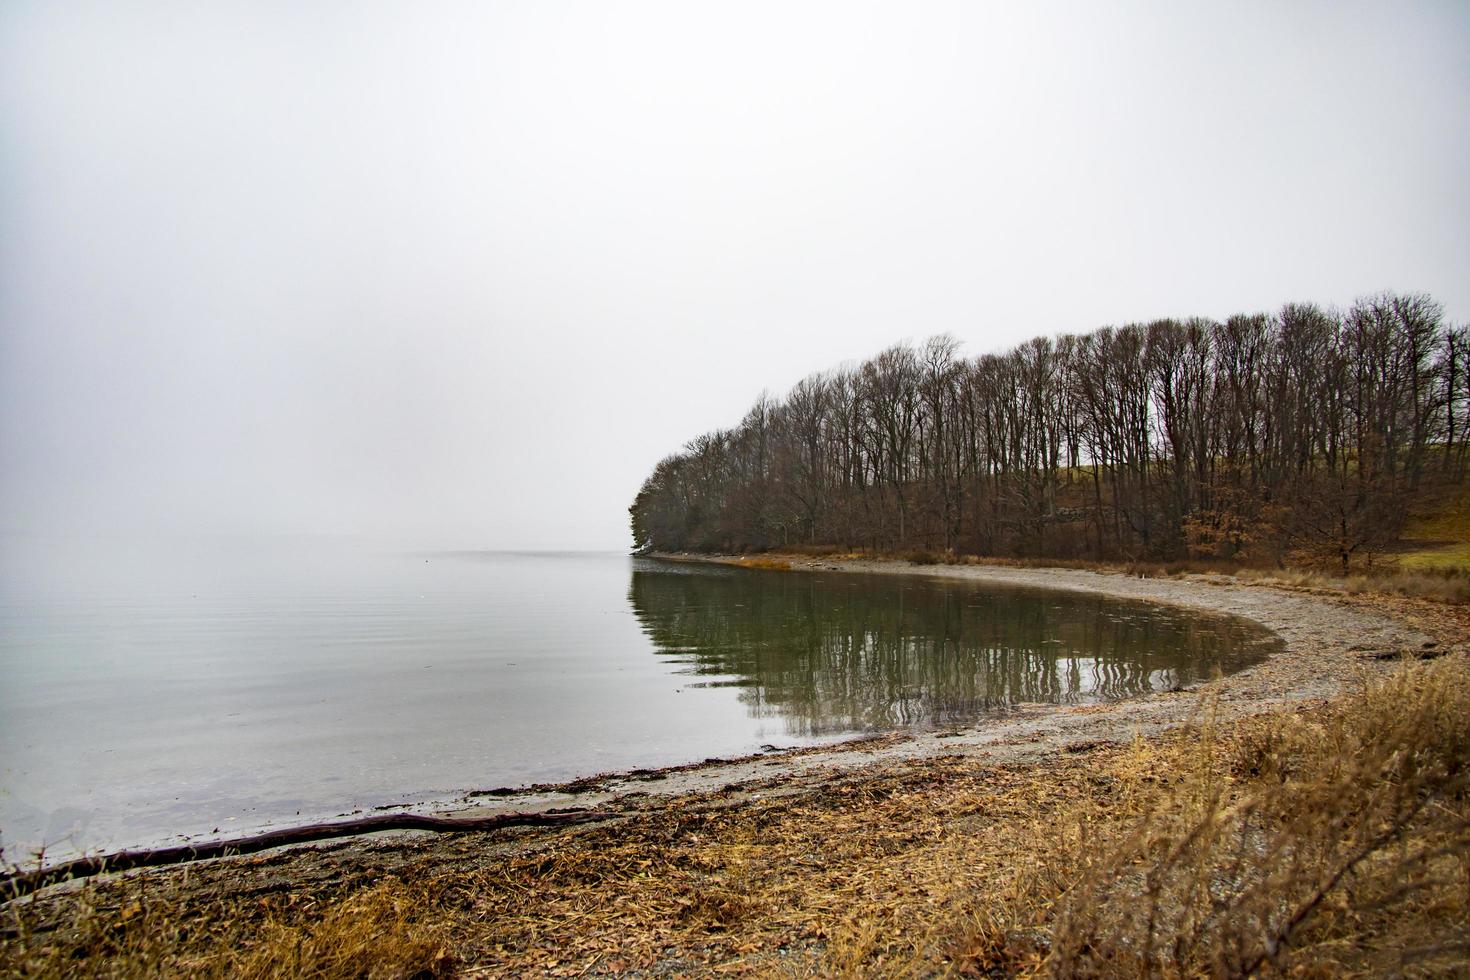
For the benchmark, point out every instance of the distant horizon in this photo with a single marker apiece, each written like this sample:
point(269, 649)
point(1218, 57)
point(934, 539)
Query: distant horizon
point(466, 272)
point(391, 543)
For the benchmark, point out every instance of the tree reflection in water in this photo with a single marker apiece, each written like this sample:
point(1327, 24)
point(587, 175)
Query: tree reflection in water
point(833, 653)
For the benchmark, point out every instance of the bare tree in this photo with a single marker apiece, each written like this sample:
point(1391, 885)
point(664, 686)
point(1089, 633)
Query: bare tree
point(1303, 431)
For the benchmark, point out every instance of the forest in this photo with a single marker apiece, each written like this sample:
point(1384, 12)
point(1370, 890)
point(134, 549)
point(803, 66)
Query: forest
point(1301, 436)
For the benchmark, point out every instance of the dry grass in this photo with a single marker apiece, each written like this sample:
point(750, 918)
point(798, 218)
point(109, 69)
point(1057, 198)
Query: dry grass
point(925, 556)
point(861, 876)
point(1448, 585)
point(1439, 586)
point(1324, 846)
point(767, 562)
point(1436, 570)
point(1327, 841)
point(382, 931)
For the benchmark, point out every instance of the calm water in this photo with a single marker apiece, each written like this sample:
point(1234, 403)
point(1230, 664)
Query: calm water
point(148, 692)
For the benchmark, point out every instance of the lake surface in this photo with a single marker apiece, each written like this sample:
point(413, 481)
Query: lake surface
point(149, 692)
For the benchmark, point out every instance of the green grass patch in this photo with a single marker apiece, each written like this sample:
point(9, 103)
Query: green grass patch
point(1437, 558)
point(1436, 537)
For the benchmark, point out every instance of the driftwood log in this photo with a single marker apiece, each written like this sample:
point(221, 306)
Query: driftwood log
point(17, 883)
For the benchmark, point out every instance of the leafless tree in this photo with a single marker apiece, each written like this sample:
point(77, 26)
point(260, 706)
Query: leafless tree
point(1305, 430)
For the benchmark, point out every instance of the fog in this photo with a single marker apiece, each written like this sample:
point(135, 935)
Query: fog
point(460, 274)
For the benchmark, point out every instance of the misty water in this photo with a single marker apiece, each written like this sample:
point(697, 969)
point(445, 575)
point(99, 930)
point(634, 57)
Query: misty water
point(222, 686)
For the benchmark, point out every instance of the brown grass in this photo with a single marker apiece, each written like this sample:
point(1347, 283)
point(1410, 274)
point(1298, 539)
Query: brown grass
point(382, 931)
point(1410, 575)
point(1326, 841)
point(1324, 846)
point(767, 562)
point(921, 556)
point(1449, 586)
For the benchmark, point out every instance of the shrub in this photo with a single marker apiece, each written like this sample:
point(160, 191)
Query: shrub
point(1331, 847)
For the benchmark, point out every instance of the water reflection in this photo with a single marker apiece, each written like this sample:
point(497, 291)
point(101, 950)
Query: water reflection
point(832, 653)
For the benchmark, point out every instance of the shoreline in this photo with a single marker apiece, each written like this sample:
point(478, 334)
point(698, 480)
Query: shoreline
point(1327, 646)
point(797, 862)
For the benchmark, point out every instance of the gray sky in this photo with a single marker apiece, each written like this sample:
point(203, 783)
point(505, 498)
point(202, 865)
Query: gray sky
point(461, 273)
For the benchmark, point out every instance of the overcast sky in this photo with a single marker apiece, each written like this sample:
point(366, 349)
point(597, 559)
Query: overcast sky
point(461, 273)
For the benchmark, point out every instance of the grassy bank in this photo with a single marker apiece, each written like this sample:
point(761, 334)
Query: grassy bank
point(1436, 536)
point(1327, 839)
point(1424, 569)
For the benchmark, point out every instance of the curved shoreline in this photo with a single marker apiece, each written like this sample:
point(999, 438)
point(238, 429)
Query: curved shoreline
point(1328, 646)
point(802, 862)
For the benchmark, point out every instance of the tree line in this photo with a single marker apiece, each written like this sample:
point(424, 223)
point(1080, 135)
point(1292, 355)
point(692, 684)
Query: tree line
point(1301, 434)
